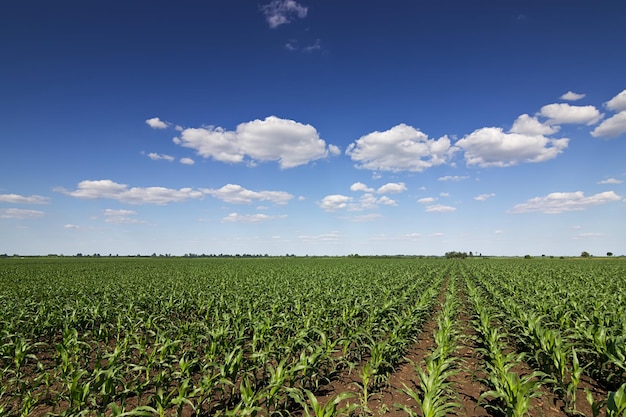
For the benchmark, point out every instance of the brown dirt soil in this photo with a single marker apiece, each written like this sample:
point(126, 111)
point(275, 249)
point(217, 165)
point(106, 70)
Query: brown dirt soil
point(467, 382)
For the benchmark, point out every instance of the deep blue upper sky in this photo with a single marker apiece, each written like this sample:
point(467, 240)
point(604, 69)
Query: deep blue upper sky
point(80, 80)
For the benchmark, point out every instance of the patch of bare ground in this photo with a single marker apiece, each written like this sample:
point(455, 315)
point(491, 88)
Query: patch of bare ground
point(382, 400)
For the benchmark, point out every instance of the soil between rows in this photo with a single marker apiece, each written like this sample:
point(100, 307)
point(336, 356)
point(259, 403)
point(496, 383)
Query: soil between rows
point(467, 382)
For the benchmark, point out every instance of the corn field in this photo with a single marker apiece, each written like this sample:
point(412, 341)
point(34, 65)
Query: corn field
point(311, 336)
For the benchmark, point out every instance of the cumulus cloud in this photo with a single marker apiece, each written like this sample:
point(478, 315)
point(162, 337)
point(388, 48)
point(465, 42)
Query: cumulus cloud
point(157, 123)
point(121, 217)
point(187, 161)
point(274, 139)
point(392, 188)
point(20, 214)
point(530, 126)
point(247, 218)
point(617, 103)
point(561, 113)
point(483, 197)
point(401, 148)
point(439, 208)
point(236, 194)
point(611, 127)
point(20, 199)
point(157, 157)
point(89, 189)
point(280, 12)
point(359, 186)
point(610, 181)
point(335, 202)
point(491, 146)
point(555, 203)
point(572, 96)
point(389, 188)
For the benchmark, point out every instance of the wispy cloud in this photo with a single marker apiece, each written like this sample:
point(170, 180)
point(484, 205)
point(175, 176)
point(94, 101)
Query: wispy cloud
point(610, 181)
point(280, 12)
point(249, 218)
point(440, 208)
point(483, 197)
point(20, 199)
point(20, 214)
point(555, 203)
point(453, 178)
point(236, 194)
point(157, 157)
point(121, 217)
point(108, 189)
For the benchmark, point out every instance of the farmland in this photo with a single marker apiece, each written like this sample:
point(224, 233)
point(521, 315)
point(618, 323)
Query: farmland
point(312, 336)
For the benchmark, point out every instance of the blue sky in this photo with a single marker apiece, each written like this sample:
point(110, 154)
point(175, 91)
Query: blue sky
point(313, 127)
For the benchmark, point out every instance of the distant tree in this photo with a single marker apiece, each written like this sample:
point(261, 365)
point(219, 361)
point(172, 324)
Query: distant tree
point(609, 254)
point(527, 256)
point(584, 254)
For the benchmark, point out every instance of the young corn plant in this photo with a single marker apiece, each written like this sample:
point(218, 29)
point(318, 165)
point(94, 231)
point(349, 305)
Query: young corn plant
point(313, 408)
point(433, 396)
point(616, 403)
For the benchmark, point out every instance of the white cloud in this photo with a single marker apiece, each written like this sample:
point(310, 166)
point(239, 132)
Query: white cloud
point(137, 195)
point(389, 188)
point(156, 123)
point(617, 103)
point(453, 178)
point(439, 208)
point(401, 148)
point(387, 201)
point(572, 96)
point(71, 226)
point(611, 127)
point(427, 200)
point(483, 197)
point(236, 194)
point(335, 202)
point(187, 161)
point(588, 235)
point(325, 237)
point(273, 139)
point(367, 201)
point(334, 150)
point(491, 146)
point(530, 126)
point(367, 217)
point(280, 12)
point(359, 186)
point(392, 188)
point(20, 214)
point(156, 157)
point(560, 113)
point(555, 203)
point(610, 181)
point(121, 217)
point(20, 199)
point(246, 218)
point(442, 194)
